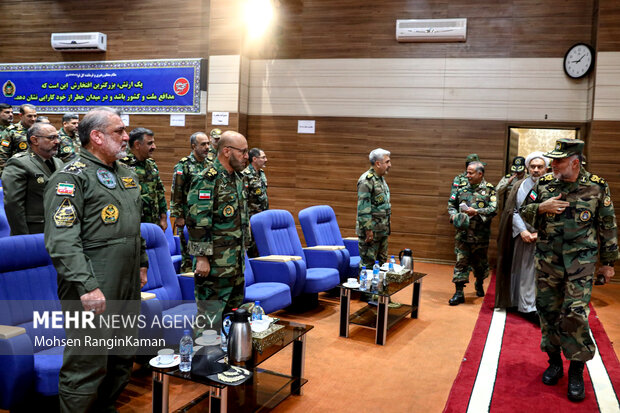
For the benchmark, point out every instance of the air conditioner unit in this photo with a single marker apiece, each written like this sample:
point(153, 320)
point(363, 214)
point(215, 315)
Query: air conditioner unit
point(431, 30)
point(79, 42)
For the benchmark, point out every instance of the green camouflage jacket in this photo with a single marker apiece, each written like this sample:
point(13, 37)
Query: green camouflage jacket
point(218, 222)
point(257, 190)
point(12, 141)
point(585, 229)
point(182, 176)
point(373, 205)
point(483, 199)
point(211, 155)
point(456, 182)
point(92, 229)
point(69, 146)
point(3, 127)
point(151, 188)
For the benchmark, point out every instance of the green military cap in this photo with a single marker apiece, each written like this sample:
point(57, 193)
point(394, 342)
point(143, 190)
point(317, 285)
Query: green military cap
point(565, 148)
point(473, 157)
point(518, 164)
point(461, 220)
point(215, 133)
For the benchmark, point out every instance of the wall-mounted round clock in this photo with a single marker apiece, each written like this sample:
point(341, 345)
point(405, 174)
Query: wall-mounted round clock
point(579, 60)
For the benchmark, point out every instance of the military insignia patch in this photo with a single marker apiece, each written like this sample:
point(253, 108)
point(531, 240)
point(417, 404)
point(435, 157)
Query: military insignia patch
point(369, 176)
point(533, 196)
point(66, 149)
point(583, 180)
point(558, 146)
point(180, 172)
point(65, 188)
point(493, 198)
point(40, 179)
point(23, 145)
point(109, 214)
point(228, 211)
point(607, 201)
point(379, 198)
point(483, 193)
point(65, 214)
point(5, 143)
point(489, 184)
point(106, 178)
point(74, 167)
point(453, 197)
point(258, 191)
point(129, 182)
point(211, 172)
point(204, 194)
point(480, 204)
point(595, 178)
point(551, 188)
point(585, 216)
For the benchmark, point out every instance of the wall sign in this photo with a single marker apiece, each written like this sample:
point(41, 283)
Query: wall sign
point(136, 86)
point(306, 126)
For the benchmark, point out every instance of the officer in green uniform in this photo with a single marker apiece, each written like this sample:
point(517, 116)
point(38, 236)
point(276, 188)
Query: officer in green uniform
point(69, 140)
point(6, 116)
point(257, 188)
point(184, 171)
point(24, 178)
point(218, 226)
point(214, 137)
point(503, 187)
point(13, 139)
point(141, 148)
point(471, 210)
point(374, 210)
point(92, 233)
point(576, 223)
point(462, 178)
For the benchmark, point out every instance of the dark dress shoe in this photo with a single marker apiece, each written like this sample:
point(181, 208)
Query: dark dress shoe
point(457, 298)
point(479, 289)
point(553, 373)
point(576, 389)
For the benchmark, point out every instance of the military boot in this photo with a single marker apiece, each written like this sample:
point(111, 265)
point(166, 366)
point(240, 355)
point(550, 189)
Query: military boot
point(576, 390)
point(459, 296)
point(555, 370)
point(479, 287)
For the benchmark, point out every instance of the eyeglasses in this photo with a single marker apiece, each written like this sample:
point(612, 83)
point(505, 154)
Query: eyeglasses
point(243, 151)
point(50, 137)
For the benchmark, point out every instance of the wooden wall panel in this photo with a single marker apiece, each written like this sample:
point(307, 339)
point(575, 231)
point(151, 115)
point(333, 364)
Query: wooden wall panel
point(608, 33)
point(354, 29)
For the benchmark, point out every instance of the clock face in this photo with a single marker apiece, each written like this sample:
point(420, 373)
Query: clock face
point(578, 61)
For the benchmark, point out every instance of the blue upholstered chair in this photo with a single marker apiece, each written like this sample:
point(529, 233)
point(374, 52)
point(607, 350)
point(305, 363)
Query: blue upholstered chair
point(174, 244)
point(270, 287)
point(5, 230)
point(275, 234)
point(174, 293)
point(27, 284)
point(320, 228)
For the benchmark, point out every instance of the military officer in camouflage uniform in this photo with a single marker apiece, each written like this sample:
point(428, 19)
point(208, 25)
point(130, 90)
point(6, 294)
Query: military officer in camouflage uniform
point(257, 188)
point(214, 139)
point(92, 233)
point(503, 187)
point(374, 209)
point(141, 148)
point(6, 116)
point(69, 139)
point(574, 215)
point(218, 226)
point(471, 210)
point(462, 177)
point(184, 171)
point(13, 139)
point(24, 178)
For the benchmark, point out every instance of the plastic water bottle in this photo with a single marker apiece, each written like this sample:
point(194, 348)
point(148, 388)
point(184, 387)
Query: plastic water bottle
point(225, 328)
point(257, 311)
point(375, 276)
point(186, 348)
point(391, 264)
point(363, 278)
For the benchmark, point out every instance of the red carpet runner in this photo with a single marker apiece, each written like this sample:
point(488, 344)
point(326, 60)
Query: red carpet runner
point(509, 378)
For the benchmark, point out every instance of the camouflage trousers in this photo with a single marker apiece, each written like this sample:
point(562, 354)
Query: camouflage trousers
point(562, 300)
point(216, 296)
point(186, 258)
point(377, 250)
point(470, 255)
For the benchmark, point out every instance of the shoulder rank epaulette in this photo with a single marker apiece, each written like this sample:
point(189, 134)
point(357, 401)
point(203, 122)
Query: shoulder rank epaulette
point(489, 184)
point(597, 179)
point(20, 154)
point(546, 178)
point(74, 167)
point(370, 175)
point(183, 159)
point(507, 176)
point(211, 173)
point(463, 183)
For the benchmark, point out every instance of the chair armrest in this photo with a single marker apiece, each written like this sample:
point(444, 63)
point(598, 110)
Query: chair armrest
point(151, 313)
point(186, 282)
point(326, 247)
point(352, 245)
point(177, 243)
point(146, 296)
point(323, 259)
point(7, 332)
point(17, 373)
point(274, 271)
point(278, 258)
